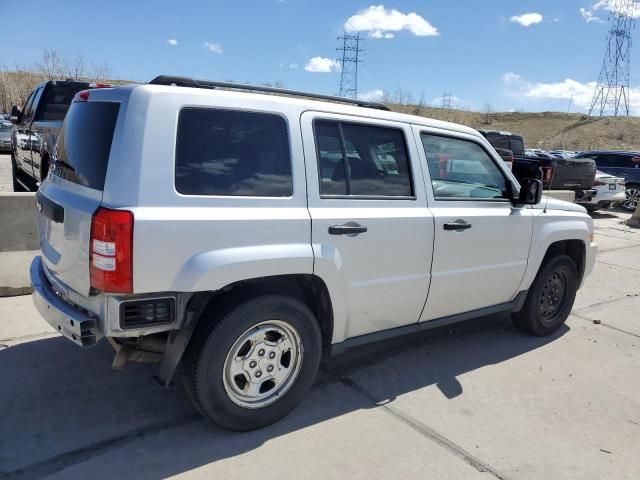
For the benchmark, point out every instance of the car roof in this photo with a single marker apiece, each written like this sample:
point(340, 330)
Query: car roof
point(617, 152)
point(304, 104)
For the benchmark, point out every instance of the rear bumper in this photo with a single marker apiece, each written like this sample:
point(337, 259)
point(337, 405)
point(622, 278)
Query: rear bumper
point(75, 324)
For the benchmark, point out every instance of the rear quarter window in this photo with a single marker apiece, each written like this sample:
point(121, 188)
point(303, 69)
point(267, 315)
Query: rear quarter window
point(232, 153)
point(84, 144)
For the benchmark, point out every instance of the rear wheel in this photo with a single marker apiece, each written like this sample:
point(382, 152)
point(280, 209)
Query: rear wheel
point(255, 364)
point(17, 186)
point(550, 298)
point(633, 197)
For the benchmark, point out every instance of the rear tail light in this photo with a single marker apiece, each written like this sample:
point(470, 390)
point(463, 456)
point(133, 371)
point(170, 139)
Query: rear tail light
point(100, 85)
point(111, 251)
point(82, 96)
point(547, 173)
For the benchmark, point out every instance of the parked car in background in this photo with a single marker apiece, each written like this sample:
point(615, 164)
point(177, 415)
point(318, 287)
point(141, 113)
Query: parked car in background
point(620, 164)
point(610, 192)
point(556, 173)
point(5, 136)
point(306, 228)
point(36, 129)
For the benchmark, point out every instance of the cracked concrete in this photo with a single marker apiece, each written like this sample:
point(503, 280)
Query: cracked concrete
point(480, 400)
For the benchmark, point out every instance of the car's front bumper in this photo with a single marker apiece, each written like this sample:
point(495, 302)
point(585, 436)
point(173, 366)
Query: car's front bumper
point(590, 259)
point(75, 324)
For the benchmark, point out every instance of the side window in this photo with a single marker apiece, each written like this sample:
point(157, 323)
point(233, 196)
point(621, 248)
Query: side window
point(622, 161)
point(461, 169)
point(30, 109)
point(362, 160)
point(235, 153)
point(27, 105)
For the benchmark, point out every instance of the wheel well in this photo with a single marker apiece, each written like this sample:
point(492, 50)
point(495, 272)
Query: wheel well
point(310, 289)
point(574, 248)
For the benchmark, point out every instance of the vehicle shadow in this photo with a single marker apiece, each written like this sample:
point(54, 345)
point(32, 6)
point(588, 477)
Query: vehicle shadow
point(63, 407)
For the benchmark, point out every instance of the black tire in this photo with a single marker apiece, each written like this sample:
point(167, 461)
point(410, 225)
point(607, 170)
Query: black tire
point(543, 312)
point(17, 186)
point(204, 362)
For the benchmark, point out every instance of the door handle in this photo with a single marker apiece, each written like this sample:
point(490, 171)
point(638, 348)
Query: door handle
point(457, 226)
point(350, 229)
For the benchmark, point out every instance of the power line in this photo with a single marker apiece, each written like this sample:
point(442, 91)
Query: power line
point(349, 64)
point(611, 96)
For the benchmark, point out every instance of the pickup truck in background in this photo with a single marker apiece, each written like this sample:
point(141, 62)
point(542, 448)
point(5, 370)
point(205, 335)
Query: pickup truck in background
point(36, 130)
point(575, 174)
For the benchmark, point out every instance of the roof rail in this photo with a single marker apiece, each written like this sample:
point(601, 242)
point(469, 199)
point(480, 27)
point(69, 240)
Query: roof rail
point(190, 82)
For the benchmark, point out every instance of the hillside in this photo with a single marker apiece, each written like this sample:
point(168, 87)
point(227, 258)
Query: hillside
point(547, 130)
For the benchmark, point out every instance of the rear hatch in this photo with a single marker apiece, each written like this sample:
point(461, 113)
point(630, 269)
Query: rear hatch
point(73, 191)
point(573, 173)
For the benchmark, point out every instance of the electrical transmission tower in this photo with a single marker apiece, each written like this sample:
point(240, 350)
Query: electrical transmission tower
point(611, 96)
point(349, 64)
point(447, 101)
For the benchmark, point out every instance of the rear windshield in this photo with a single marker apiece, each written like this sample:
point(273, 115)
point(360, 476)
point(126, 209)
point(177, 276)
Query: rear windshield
point(84, 144)
point(508, 142)
point(58, 99)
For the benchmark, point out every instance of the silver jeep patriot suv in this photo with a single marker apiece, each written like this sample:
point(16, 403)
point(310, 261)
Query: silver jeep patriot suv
point(237, 233)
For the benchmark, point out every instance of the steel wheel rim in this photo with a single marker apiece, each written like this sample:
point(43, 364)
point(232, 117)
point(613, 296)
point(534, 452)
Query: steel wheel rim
point(633, 196)
point(262, 364)
point(552, 297)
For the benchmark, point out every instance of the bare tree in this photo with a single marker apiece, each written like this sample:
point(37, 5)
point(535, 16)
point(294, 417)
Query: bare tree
point(52, 65)
point(417, 109)
point(101, 72)
point(76, 68)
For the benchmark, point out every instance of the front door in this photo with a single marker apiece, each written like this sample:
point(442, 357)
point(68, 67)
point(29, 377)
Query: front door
point(372, 233)
point(481, 242)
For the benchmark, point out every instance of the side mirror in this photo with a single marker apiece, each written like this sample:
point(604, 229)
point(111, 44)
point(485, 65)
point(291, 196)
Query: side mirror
point(16, 113)
point(530, 192)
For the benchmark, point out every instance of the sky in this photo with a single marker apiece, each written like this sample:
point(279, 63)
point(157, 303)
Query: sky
point(530, 55)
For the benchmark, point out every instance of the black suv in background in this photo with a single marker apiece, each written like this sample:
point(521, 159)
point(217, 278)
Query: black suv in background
point(620, 164)
point(36, 129)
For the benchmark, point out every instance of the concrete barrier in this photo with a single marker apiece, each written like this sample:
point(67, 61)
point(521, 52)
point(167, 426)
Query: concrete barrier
point(566, 195)
point(18, 242)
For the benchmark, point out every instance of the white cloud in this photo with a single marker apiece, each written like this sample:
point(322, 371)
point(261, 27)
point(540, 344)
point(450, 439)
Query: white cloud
point(293, 66)
point(610, 5)
point(213, 47)
point(581, 92)
point(589, 16)
point(172, 41)
point(380, 23)
point(371, 95)
point(510, 77)
point(527, 19)
point(453, 100)
point(322, 65)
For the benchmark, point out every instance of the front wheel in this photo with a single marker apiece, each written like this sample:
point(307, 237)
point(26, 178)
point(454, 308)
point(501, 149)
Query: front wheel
point(256, 364)
point(633, 197)
point(550, 298)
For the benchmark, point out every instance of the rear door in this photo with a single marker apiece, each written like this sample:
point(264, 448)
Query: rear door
point(67, 201)
point(372, 233)
point(482, 242)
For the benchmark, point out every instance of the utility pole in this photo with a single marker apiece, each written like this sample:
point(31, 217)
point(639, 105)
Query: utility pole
point(351, 50)
point(611, 96)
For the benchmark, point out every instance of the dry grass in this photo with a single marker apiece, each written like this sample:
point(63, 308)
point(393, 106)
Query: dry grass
point(547, 130)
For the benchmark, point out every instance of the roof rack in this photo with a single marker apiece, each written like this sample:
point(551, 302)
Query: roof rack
point(190, 82)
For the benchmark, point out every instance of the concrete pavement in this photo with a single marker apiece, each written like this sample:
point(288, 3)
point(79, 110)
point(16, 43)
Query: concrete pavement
point(480, 400)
